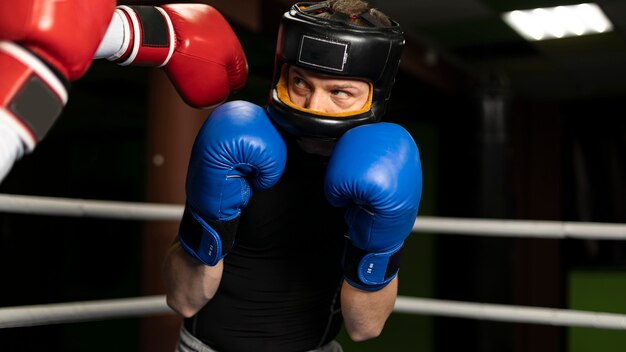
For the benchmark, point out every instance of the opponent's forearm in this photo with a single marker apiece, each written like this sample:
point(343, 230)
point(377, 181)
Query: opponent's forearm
point(11, 149)
point(189, 284)
point(365, 312)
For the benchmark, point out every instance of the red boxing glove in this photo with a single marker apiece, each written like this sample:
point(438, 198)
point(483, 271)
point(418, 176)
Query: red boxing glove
point(192, 42)
point(44, 44)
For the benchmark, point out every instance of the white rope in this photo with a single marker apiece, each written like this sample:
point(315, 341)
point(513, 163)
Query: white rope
point(45, 314)
point(73, 312)
point(429, 224)
point(513, 314)
point(89, 208)
point(521, 228)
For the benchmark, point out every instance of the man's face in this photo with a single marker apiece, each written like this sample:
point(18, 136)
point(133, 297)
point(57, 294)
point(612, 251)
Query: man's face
point(326, 94)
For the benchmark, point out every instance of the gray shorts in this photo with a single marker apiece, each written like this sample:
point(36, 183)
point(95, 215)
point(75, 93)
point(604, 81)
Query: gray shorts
point(188, 343)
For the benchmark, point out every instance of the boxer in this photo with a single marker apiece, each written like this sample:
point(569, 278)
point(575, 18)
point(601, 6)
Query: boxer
point(281, 265)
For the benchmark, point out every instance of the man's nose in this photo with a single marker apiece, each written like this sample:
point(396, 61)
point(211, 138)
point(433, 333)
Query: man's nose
point(316, 102)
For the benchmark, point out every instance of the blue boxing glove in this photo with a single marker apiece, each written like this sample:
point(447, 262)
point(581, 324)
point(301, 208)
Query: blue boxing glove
point(237, 150)
point(375, 172)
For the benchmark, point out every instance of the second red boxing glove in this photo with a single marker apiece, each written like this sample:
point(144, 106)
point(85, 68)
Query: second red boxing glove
point(193, 43)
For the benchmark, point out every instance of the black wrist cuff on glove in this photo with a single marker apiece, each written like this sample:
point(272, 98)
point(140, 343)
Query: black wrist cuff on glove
point(207, 241)
point(41, 97)
point(371, 271)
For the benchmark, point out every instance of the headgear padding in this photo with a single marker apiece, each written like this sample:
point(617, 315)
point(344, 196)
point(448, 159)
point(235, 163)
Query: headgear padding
point(334, 46)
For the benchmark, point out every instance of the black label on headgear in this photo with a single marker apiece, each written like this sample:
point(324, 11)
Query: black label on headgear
point(323, 53)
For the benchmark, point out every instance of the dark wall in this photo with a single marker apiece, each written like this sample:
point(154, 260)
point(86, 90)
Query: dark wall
point(95, 151)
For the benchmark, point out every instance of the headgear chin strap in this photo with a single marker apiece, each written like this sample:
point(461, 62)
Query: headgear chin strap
point(334, 46)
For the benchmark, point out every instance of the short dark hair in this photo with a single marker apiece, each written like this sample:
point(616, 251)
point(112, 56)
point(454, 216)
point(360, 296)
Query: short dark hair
point(352, 9)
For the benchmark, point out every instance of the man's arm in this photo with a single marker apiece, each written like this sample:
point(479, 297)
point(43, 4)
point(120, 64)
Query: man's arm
point(375, 173)
point(189, 284)
point(236, 151)
point(365, 312)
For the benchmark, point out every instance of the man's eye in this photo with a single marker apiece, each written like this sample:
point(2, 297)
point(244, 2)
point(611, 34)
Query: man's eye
point(341, 93)
point(299, 82)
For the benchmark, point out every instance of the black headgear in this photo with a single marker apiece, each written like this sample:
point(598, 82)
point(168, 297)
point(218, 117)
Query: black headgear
point(333, 46)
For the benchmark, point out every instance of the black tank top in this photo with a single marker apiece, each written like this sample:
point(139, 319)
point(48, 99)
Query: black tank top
point(281, 281)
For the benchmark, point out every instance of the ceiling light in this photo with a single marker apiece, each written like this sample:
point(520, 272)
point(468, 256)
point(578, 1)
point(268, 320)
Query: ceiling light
point(558, 22)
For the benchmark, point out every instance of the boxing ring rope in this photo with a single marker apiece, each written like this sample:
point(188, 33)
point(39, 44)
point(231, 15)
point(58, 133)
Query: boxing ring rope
point(482, 227)
point(22, 316)
point(73, 312)
point(35, 205)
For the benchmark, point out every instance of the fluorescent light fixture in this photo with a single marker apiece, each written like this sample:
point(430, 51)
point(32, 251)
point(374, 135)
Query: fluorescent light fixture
point(558, 22)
